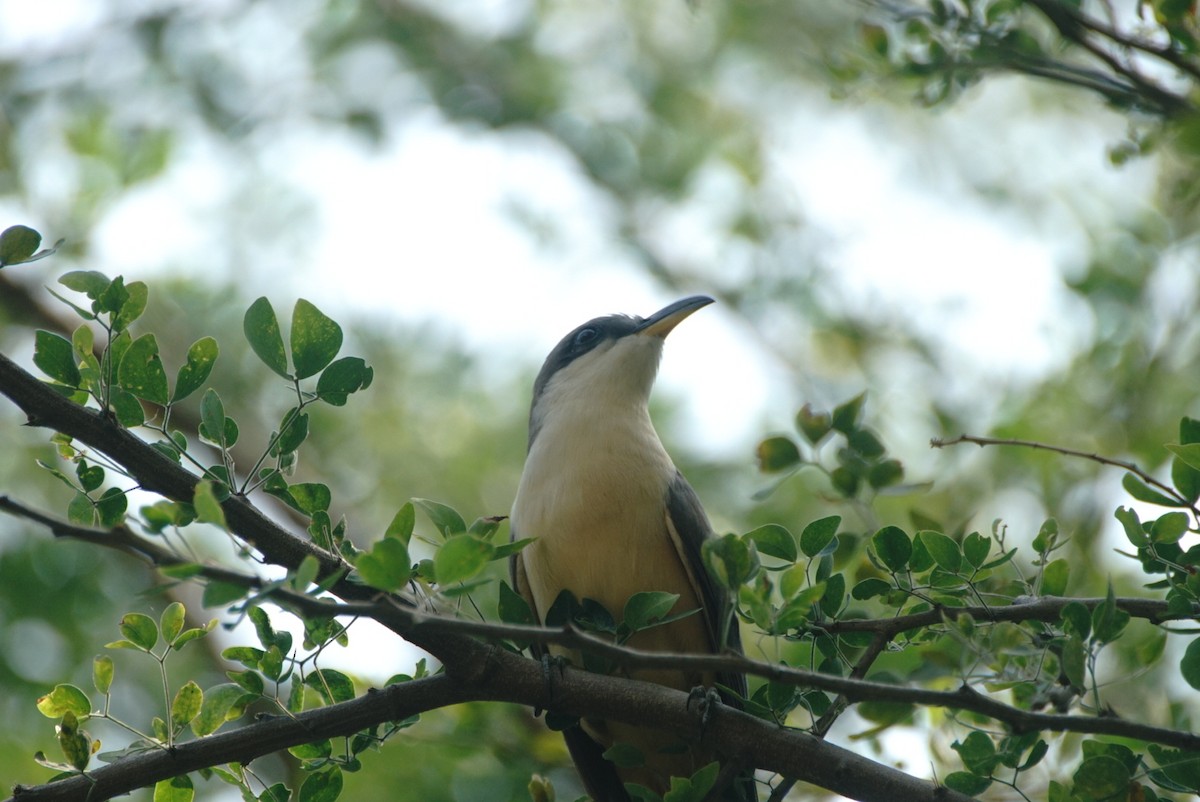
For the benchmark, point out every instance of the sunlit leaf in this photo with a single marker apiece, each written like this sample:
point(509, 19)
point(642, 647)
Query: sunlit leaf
point(176, 789)
point(315, 340)
point(64, 699)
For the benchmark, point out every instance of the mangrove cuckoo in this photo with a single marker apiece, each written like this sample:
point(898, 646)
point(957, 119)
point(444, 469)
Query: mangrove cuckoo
point(612, 517)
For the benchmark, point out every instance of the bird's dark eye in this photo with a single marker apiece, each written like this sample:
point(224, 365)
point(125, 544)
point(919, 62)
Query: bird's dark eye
point(585, 336)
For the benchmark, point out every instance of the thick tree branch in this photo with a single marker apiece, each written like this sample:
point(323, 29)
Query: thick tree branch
point(503, 676)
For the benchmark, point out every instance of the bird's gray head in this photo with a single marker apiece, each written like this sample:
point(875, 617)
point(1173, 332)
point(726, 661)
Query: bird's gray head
point(606, 364)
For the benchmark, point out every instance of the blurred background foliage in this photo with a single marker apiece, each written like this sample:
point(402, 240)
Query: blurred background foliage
point(670, 115)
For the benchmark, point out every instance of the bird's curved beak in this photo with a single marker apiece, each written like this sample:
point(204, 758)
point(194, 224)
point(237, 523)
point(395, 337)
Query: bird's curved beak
point(664, 320)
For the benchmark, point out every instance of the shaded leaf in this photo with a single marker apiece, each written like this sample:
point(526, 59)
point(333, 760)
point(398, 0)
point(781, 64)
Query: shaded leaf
point(141, 372)
point(819, 535)
point(262, 332)
point(645, 608)
point(893, 547)
point(345, 376)
point(17, 244)
point(201, 356)
point(777, 454)
point(54, 356)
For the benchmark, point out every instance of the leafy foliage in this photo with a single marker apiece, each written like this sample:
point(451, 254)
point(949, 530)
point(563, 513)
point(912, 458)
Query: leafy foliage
point(833, 597)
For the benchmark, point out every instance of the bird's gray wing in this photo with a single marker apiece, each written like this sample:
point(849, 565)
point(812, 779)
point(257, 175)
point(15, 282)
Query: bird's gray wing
point(689, 528)
point(520, 583)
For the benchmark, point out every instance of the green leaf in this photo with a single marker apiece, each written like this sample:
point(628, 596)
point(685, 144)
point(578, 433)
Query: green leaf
point(186, 705)
point(293, 431)
point(818, 535)
point(111, 506)
point(322, 786)
point(1133, 527)
point(171, 621)
point(332, 685)
point(55, 357)
point(625, 755)
point(208, 509)
point(978, 753)
point(312, 751)
point(312, 497)
point(201, 357)
point(387, 565)
point(62, 700)
point(113, 298)
point(694, 788)
point(1169, 528)
point(870, 588)
point(1054, 578)
point(647, 607)
point(893, 547)
point(402, 523)
point(102, 673)
point(1180, 767)
point(730, 559)
point(176, 789)
point(512, 607)
point(1143, 492)
point(132, 305)
point(212, 418)
point(90, 282)
point(316, 339)
point(1077, 619)
point(262, 332)
point(218, 594)
point(1189, 666)
point(942, 549)
point(1101, 777)
point(777, 454)
point(345, 376)
point(126, 407)
point(80, 510)
point(967, 783)
point(140, 630)
point(774, 540)
point(76, 745)
point(90, 476)
point(1189, 453)
point(812, 424)
point(976, 548)
point(17, 244)
point(445, 518)
point(834, 595)
point(885, 474)
point(845, 416)
point(459, 558)
point(1108, 620)
point(141, 372)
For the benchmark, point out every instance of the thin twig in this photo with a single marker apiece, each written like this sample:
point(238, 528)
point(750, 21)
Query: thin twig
point(1171, 492)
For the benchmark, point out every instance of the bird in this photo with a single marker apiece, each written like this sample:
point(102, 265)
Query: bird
point(611, 516)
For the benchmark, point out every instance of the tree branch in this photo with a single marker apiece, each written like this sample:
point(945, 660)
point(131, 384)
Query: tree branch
point(507, 677)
